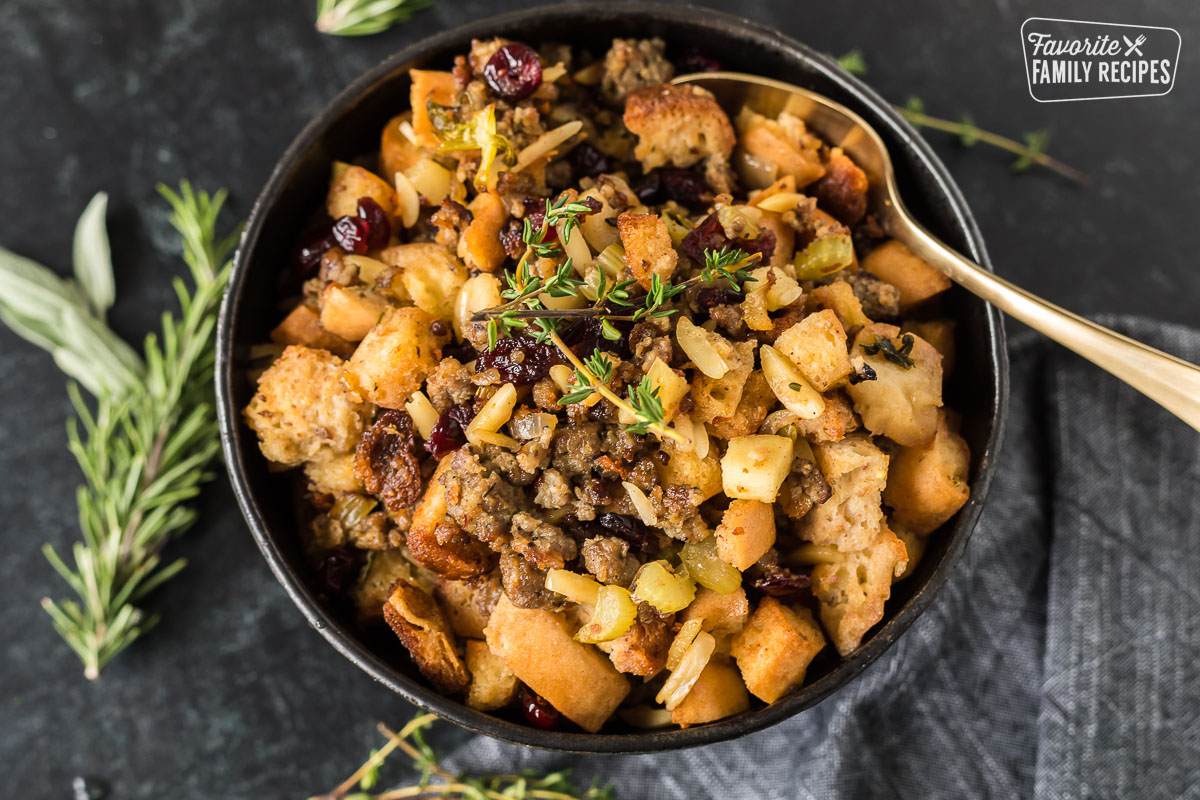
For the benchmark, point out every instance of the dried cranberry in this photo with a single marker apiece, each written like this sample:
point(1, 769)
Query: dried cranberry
point(338, 570)
point(448, 432)
point(514, 72)
point(538, 711)
point(314, 245)
point(695, 61)
point(684, 186)
point(379, 228)
point(519, 359)
point(781, 582)
point(710, 235)
point(510, 238)
point(587, 161)
point(712, 296)
point(584, 337)
point(351, 234)
point(631, 529)
point(535, 212)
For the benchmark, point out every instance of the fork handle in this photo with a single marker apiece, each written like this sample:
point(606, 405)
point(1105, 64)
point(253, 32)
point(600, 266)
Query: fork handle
point(1169, 381)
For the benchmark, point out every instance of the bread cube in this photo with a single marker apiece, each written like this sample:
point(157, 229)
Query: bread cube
point(753, 467)
point(302, 326)
point(332, 474)
point(418, 622)
point(648, 248)
point(746, 532)
point(719, 397)
point(854, 587)
point(685, 468)
point(775, 648)
point(926, 486)
point(902, 402)
point(428, 86)
point(575, 678)
point(396, 152)
point(480, 292)
point(783, 145)
point(757, 400)
point(722, 614)
point(462, 606)
point(837, 420)
point(492, 686)
point(301, 410)
point(914, 548)
point(917, 281)
point(839, 298)
point(374, 586)
point(355, 183)
point(817, 346)
point(431, 275)
point(350, 311)
point(479, 246)
point(436, 543)
point(677, 125)
point(856, 471)
point(940, 334)
point(718, 693)
point(396, 356)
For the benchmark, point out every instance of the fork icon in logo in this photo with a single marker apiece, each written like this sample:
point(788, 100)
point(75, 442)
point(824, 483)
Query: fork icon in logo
point(1134, 47)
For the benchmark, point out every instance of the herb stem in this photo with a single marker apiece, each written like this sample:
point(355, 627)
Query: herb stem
point(923, 120)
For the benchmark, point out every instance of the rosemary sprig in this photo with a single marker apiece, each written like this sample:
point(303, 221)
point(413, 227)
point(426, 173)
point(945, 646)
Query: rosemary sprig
point(364, 17)
point(145, 443)
point(410, 740)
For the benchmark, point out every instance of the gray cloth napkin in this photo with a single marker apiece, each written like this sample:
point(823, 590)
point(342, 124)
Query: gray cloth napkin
point(1062, 658)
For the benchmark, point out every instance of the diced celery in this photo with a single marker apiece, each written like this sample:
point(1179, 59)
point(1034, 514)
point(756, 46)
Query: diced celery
point(666, 591)
point(824, 257)
point(708, 569)
point(614, 615)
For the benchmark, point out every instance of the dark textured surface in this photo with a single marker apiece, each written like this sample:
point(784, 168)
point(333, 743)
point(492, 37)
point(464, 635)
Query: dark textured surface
point(233, 696)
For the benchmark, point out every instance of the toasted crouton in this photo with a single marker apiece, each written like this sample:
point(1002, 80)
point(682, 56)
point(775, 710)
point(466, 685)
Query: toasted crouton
point(840, 298)
point(301, 411)
point(902, 401)
point(396, 152)
point(757, 399)
point(940, 334)
point(853, 589)
point(746, 532)
point(927, 485)
point(843, 190)
point(642, 650)
point(719, 692)
point(917, 281)
point(817, 346)
point(575, 678)
point(430, 274)
point(837, 420)
point(678, 125)
point(783, 143)
point(685, 468)
point(775, 648)
point(332, 474)
point(429, 86)
point(492, 684)
point(719, 397)
point(480, 245)
point(461, 602)
point(395, 357)
point(856, 471)
point(647, 244)
point(374, 586)
point(355, 183)
point(722, 614)
point(418, 623)
point(302, 326)
point(350, 312)
point(436, 543)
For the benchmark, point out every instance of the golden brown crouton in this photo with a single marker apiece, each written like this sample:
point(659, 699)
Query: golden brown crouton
point(575, 678)
point(464, 607)
point(853, 589)
point(332, 474)
point(302, 326)
point(722, 614)
point(927, 485)
point(480, 245)
point(775, 648)
point(492, 684)
point(647, 244)
point(642, 650)
point(374, 586)
point(902, 402)
point(837, 420)
point(429, 86)
point(817, 346)
point(746, 532)
point(301, 410)
point(719, 397)
point(396, 152)
point(353, 184)
point(839, 297)
point(350, 312)
point(418, 623)
point(757, 399)
point(436, 543)
point(685, 468)
point(395, 357)
point(856, 471)
point(430, 274)
point(678, 125)
point(917, 281)
point(843, 190)
point(719, 692)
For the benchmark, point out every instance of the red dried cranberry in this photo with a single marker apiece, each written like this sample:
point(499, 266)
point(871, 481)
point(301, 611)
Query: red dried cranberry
point(712, 296)
point(510, 238)
point(631, 529)
point(448, 432)
point(338, 570)
point(538, 711)
point(535, 212)
point(695, 61)
point(514, 72)
point(782, 582)
point(710, 235)
point(519, 359)
point(587, 161)
point(313, 245)
point(379, 227)
point(351, 234)
point(684, 186)
point(584, 337)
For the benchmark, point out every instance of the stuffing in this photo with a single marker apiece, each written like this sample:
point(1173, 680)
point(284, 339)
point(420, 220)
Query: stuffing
point(492, 684)
point(775, 648)
point(648, 249)
point(633, 64)
point(856, 471)
point(397, 355)
point(928, 485)
point(417, 621)
point(678, 126)
point(854, 587)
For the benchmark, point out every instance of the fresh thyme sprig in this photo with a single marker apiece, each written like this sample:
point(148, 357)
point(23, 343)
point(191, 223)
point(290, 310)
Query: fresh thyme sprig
point(410, 740)
point(146, 442)
point(364, 17)
point(1030, 151)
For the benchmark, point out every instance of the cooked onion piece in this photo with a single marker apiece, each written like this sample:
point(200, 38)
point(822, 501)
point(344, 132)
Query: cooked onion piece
point(683, 640)
point(545, 144)
point(573, 586)
point(408, 202)
point(424, 415)
point(614, 615)
point(688, 672)
point(641, 504)
point(708, 351)
point(790, 385)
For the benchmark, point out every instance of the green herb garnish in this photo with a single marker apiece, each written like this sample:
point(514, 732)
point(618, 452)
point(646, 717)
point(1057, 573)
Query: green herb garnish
point(364, 17)
point(884, 346)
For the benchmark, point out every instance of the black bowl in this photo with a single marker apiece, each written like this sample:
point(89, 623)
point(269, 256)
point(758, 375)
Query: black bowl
point(349, 126)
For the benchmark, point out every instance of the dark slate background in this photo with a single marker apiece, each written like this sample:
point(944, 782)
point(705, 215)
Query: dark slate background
point(233, 696)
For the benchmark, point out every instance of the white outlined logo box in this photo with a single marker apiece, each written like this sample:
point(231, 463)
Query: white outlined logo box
point(1070, 60)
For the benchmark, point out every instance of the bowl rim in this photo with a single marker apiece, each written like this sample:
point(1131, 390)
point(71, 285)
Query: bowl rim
point(344, 640)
